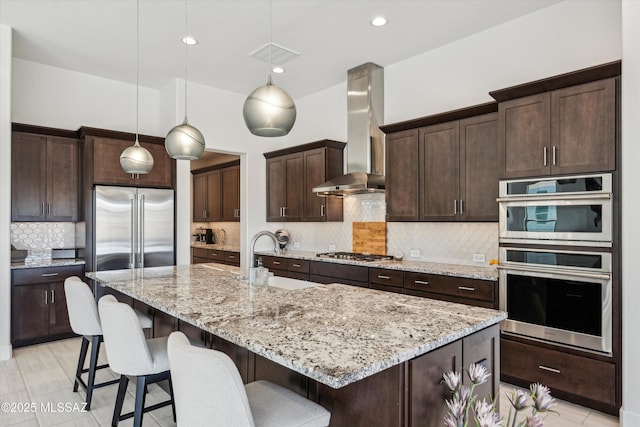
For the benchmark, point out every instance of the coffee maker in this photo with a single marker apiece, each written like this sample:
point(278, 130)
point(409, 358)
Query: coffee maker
point(205, 235)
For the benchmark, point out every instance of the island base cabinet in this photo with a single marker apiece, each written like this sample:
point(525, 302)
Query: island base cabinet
point(571, 377)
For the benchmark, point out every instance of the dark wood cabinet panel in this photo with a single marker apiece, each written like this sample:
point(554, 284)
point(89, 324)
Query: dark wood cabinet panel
point(293, 173)
point(199, 198)
point(483, 348)
point(449, 285)
point(45, 178)
point(230, 194)
point(569, 130)
point(161, 174)
point(569, 376)
point(439, 153)
point(479, 168)
point(339, 271)
point(239, 355)
point(265, 369)
point(204, 255)
point(427, 406)
point(386, 277)
point(583, 128)
point(402, 176)
point(212, 199)
point(38, 304)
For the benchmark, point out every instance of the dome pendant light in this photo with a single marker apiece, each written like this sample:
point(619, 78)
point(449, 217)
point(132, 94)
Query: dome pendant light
point(269, 110)
point(185, 142)
point(137, 159)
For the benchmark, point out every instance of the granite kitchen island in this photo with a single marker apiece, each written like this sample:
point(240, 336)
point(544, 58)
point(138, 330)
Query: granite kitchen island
point(370, 357)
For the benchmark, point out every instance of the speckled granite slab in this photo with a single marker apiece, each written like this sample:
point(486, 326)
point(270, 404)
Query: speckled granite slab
point(335, 334)
point(53, 263)
point(457, 270)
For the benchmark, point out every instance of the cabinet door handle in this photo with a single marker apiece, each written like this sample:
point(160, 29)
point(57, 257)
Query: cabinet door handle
point(553, 155)
point(296, 265)
point(48, 208)
point(421, 282)
point(455, 207)
point(284, 211)
point(275, 262)
point(321, 210)
point(466, 288)
point(232, 256)
point(46, 297)
point(383, 277)
point(49, 274)
point(544, 156)
point(42, 208)
point(461, 206)
point(53, 296)
point(213, 254)
point(546, 368)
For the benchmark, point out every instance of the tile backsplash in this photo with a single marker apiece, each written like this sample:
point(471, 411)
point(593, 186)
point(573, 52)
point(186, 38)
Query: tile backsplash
point(446, 242)
point(39, 238)
point(232, 230)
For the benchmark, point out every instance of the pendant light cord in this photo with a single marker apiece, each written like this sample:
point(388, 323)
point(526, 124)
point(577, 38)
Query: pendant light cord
point(137, 69)
point(186, 56)
point(270, 37)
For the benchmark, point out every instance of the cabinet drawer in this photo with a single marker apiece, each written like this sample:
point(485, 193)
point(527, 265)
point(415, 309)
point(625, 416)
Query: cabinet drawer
point(274, 263)
point(558, 370)
point(298, 265)
point(199, 260)
point(30, 276)
point(456, 286)
point(381, 276)
point(339, 271)
point(201, 252)
point(232, 258)
point(215, 255)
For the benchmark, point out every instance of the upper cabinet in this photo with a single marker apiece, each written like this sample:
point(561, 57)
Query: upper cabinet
point(45, 180)
point(291, 175)
point(216, 193)
point(568, 130)
point(443, 170)
point(102, 149)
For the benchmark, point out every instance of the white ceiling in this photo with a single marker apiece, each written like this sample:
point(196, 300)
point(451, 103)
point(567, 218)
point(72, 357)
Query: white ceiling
point(98, 37)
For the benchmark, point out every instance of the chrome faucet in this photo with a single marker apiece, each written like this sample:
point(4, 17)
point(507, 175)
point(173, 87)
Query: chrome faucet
point(224, 237)
point(252, 245)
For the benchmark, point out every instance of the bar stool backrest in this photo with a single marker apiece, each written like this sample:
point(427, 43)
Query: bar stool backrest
point(82, 307)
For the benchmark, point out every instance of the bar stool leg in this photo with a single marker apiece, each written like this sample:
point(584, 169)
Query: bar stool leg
point(83, 355)
point(173, 403)
point(122, 390)
point(141, 392)
point(93, 363)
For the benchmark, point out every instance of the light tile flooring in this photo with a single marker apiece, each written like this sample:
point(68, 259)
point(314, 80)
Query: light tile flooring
point(41, 377)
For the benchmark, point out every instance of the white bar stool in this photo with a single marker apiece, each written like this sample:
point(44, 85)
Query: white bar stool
point(209, 391)
point(85, 321)
point(130, 354)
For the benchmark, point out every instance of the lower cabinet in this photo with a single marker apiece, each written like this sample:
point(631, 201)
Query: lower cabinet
point(38, 304)
point(204, 255)
point(580, 379)
point(286, 267)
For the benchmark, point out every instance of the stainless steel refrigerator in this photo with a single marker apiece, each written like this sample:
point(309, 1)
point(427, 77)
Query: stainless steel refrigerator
point(134, 227)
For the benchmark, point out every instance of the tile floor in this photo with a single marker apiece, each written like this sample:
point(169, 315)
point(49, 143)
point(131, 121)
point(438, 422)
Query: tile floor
point(41, 376)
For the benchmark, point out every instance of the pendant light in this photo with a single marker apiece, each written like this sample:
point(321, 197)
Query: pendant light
point(269, 110)
point(136, 159)
point(185, 142)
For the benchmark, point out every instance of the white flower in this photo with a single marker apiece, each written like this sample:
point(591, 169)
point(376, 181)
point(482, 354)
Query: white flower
point(453, 380)
point(478, 374)
point(518, 400)
point(457, 408)
point(535, 421)
point(541, 396)
point(450, 420)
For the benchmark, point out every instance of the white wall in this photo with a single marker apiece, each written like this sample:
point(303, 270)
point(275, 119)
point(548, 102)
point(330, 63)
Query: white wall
point(5, 191)
point(630, 414)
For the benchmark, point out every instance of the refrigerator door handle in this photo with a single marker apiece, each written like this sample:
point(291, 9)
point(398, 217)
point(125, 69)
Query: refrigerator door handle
point(141, 238)
point(132, 254)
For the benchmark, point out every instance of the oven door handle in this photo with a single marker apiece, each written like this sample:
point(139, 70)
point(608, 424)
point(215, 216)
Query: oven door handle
point(600, 276)
point(557, 196)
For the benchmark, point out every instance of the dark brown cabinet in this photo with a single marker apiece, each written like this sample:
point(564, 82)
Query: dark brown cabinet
point(482, 293)
point(447, 171)
point(38, 304)
point(569, 130)
point(292, 173)
point(45, 178)
point(101, 149)
point(204, 255)
point(216, 193)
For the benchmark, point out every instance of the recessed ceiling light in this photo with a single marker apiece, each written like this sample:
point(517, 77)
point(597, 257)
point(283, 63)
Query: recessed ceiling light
point(379, 21)
point(278, 70)
point(188, 40)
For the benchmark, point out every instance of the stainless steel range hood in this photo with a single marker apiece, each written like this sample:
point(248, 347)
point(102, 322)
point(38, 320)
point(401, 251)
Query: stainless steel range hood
point(365, 141)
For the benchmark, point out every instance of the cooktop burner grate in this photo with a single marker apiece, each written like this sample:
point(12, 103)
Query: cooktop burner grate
point(354, 256)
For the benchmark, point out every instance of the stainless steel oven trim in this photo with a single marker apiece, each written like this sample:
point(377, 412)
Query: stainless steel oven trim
point(604, 236)
point(600, 344)
point(552, 243)
point(582, 271)
point(607, 185)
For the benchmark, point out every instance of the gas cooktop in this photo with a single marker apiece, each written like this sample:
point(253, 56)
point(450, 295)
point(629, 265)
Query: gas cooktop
point(354, 256)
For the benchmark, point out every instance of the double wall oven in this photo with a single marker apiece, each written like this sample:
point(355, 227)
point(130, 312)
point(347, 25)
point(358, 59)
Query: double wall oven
point(555, 259)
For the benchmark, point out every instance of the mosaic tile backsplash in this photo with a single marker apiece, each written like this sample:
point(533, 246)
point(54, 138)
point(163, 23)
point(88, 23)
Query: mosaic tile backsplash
point(232, 230)
point(38, 238)
point(446, 242)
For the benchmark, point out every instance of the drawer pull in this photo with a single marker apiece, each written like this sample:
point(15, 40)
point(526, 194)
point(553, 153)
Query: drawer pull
point(466, 288)
point(232, 256)
point(384, 277)
point(213, 254)
point(49, 274)
point(275, 262)
point(546, 368)
point(296, 265)
point(421, 282)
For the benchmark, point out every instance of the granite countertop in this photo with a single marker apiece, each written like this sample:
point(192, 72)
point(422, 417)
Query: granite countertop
point(458, 270)
point(228, 248)
point(336, 334)
point(60, 262)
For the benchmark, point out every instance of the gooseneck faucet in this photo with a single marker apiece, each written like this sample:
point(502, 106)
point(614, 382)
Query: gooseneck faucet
point(252, 245)
point(224, 237)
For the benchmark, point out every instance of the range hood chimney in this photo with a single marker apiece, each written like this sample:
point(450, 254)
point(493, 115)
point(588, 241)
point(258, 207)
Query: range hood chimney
point(365, 141)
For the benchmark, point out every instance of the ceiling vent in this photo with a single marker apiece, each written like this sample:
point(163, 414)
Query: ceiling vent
point(279, 54)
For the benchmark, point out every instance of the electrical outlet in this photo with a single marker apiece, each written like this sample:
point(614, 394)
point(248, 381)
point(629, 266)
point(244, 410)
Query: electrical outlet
point(415, 253)
point(332, 248)
point(478, 257)
point(296, 245)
